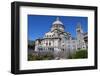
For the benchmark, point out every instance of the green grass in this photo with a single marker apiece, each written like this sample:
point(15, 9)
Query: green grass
point(79, 54)
point(40, 57)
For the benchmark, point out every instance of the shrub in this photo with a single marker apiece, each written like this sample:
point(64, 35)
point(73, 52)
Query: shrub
point(40, 57)
point(80, 54)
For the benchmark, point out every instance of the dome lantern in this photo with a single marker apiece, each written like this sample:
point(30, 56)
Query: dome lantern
point(57, 22)
point(57, 25)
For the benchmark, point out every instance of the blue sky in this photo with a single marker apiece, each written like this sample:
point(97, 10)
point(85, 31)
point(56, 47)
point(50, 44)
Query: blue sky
point(38, 25)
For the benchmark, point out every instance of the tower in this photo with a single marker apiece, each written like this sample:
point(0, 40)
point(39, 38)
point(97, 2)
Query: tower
point(80, 37)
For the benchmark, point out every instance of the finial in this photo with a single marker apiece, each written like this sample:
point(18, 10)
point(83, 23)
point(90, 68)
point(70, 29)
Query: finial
point(57, 19)
point(78, 25)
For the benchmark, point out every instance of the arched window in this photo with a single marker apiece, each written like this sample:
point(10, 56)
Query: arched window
point(49, 43)
point(46, 44)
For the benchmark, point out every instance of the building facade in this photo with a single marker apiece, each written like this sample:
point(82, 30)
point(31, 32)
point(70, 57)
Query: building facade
point(59, 41)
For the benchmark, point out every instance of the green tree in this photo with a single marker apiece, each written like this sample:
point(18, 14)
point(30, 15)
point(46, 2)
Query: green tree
point(31, 44)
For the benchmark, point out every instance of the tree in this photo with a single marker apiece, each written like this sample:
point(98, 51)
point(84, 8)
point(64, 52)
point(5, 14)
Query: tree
point(31, 44)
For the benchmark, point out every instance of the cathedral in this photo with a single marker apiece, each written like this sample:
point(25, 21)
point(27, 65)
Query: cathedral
point(57, 40)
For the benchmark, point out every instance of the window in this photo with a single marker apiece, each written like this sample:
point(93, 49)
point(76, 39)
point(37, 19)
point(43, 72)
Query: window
point(46, 44)
point(50, 48)
point(53, 35)
point(49, 44)
point(53, 49)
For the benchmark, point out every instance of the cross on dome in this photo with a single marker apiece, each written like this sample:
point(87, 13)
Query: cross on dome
point(57, 24)
point(57, 21)
point(78, 25)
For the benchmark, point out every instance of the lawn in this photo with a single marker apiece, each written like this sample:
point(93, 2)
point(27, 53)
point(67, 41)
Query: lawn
point(79, 54)
point(40, 57)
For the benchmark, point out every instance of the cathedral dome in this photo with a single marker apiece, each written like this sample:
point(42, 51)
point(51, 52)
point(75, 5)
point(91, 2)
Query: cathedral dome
point(57, 22)
point(57, 25)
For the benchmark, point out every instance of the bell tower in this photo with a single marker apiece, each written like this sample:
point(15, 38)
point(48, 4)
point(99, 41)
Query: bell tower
point(80, 38)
